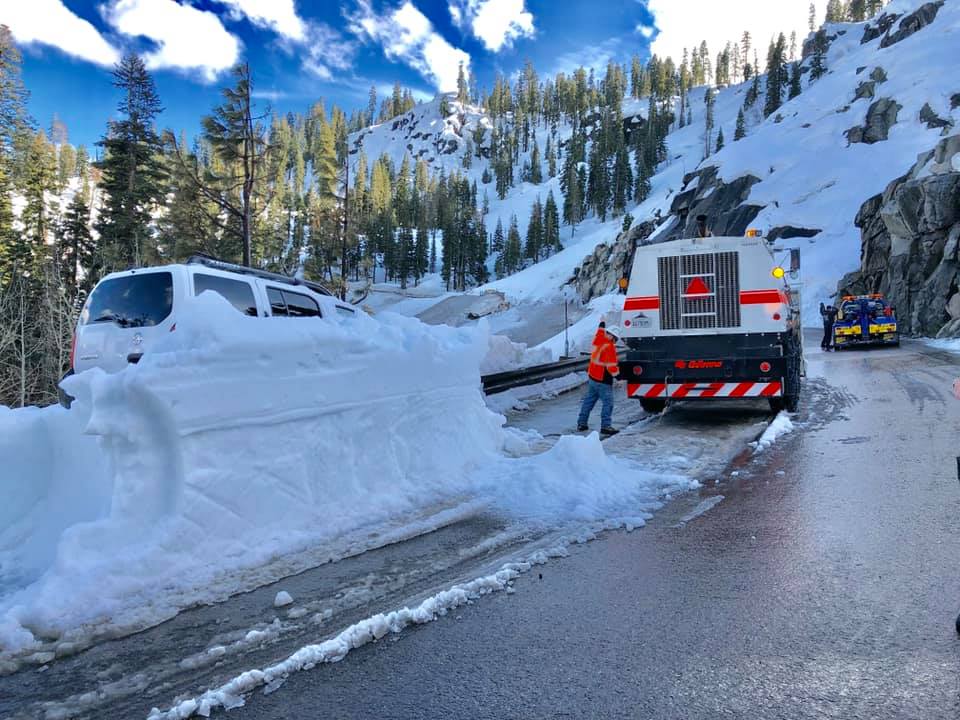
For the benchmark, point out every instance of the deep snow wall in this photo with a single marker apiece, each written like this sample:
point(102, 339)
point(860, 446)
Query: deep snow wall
point(236, 441)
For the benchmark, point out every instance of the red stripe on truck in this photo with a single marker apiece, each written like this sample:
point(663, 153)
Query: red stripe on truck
point(762, 297)
point(649, 302)
point(771, 390)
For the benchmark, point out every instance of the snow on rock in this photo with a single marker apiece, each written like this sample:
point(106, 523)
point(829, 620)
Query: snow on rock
point(282, 599)
point(239, 441)
point(781, 425)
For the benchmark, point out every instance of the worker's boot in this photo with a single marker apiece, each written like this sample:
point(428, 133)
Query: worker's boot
point(582, 428)
point(608, 431)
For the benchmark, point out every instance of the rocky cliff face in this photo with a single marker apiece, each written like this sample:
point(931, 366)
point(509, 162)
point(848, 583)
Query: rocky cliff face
point(600, 270)
point(909, 244)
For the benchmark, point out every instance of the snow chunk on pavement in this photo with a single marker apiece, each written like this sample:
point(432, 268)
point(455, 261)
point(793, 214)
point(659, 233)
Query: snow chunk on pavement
point(781, 425)
point(282, 599)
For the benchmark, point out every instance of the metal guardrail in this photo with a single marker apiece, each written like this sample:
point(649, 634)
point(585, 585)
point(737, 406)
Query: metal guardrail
point(498, 382)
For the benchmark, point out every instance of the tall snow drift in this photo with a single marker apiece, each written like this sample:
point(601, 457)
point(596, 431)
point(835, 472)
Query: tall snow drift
point(242, 439)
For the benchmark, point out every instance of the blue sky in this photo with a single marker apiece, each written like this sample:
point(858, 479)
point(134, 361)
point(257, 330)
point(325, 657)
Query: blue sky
point(299, 51)
point(304, 50)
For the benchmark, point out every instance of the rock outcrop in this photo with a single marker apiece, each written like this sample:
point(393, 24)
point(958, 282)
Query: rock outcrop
point(599, 272)
point(917, 20)
point(881, 116)
point(910, 235)
point(722, 202)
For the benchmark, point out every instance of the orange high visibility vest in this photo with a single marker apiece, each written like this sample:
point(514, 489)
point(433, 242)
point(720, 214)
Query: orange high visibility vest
point(603, 358)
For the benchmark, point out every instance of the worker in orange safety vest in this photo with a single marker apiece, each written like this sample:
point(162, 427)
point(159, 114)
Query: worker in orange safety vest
point(604, 367)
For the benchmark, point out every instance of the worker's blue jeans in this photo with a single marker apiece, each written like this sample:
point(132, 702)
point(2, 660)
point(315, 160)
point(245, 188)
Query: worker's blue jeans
point(597, 391)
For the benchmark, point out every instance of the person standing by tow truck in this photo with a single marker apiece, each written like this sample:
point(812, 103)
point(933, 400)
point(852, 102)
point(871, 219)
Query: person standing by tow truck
point(604, 367)
point(829, 315)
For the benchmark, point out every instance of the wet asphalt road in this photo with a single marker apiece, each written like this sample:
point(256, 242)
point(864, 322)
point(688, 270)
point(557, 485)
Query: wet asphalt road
point(824, 585)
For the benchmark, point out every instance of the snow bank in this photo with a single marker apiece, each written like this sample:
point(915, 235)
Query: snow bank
point(503, 354)
point(239, 441)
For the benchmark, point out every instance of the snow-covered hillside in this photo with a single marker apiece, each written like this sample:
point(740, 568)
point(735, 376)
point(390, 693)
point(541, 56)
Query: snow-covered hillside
point(810, 175)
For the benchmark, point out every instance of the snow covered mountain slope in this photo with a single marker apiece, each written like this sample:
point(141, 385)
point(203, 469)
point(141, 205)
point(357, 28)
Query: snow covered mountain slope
point(812, 169)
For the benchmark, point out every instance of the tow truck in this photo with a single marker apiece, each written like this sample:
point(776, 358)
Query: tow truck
point(713, 318)
point(865, 320)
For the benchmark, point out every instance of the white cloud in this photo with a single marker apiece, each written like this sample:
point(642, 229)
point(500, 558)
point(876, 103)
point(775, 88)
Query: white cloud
point(406, 35)
point(497, 23)
point(646, 30)
point(187, 38)
point(326, 50)
point(49, 22)
point(683, 24)
point(595, 56)
point(277, 15)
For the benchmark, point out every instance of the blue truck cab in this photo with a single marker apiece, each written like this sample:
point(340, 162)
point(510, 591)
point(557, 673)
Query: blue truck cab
point(865, 320)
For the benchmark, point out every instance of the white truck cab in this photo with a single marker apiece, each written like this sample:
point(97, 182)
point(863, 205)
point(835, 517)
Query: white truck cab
point(711, 318)
point(128, 311)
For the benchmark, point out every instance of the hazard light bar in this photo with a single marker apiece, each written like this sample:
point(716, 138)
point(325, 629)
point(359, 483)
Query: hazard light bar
point(753, 232)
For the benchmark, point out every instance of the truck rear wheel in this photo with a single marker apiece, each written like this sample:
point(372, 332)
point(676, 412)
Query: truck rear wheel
point(653, 406)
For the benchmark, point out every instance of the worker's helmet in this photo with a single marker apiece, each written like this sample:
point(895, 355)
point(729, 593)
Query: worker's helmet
point(613, 330)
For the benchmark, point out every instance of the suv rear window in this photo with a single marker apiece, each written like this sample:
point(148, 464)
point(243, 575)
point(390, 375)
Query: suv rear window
point(237, 292)
point(293, 304)
point(131, 301)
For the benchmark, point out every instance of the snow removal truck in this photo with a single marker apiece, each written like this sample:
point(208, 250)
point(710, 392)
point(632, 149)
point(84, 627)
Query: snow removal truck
point(865, 320)
point(712, 318)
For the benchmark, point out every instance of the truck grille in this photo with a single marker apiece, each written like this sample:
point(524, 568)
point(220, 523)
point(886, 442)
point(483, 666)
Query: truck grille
point(713, 280)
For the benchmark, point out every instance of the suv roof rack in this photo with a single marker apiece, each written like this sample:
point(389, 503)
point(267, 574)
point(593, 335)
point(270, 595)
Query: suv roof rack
point(217, 264)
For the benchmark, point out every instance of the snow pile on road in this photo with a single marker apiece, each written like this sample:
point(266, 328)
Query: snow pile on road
point(781, 425)
point(504, 355)
point(520, 398)
point(239, 441)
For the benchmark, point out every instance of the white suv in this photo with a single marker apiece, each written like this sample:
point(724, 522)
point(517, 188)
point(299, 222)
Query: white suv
point(128, 311)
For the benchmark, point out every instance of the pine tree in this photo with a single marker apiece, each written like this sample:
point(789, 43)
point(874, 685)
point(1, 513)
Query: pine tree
point(37, 217)
point(836, 12)
point(133, 175)
point(551, 225)
point(551, 158)
point(776, 75)
point(76, 244)
point(536, 165)
point(812, 19)
point(512, 252)
point(795, 87)
point(534, 241)
point(622, 180)
point(818, 63)
point(13, 94)
point(498, 240)
point(741, 130)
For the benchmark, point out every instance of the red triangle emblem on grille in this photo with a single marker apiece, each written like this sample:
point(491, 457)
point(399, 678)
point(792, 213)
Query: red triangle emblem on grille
point(697, 287)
